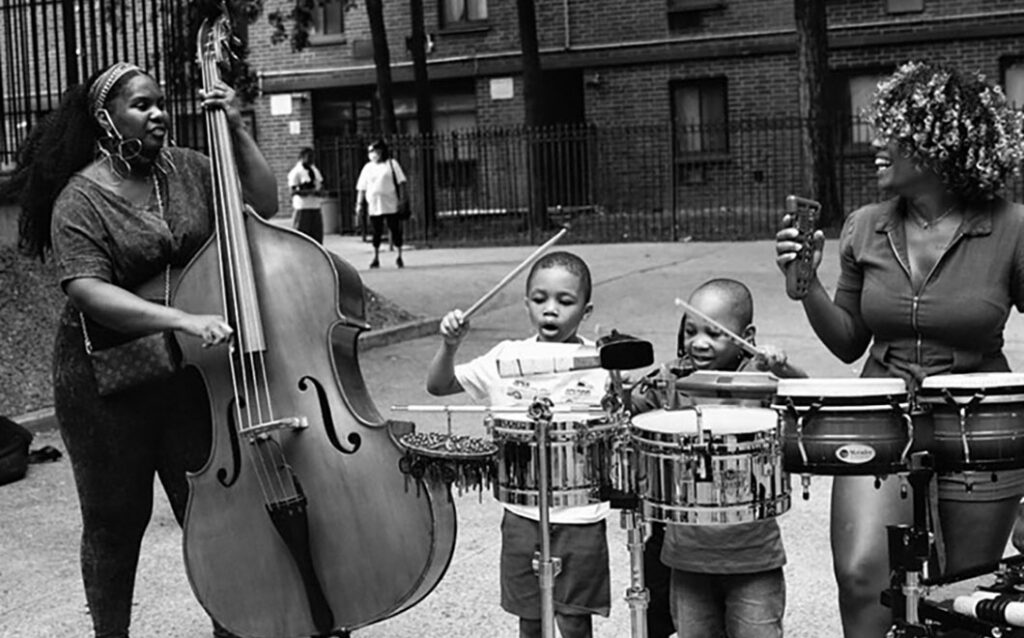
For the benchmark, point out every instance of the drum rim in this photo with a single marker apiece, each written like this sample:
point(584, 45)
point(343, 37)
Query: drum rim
point(651, 509)
point(972, 381)
point(904, 405)
point(815, 387)
point(718, 410)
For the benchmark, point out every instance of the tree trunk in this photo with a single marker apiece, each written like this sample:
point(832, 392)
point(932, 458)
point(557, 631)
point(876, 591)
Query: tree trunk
point(382, 61)
point(533, 98)
point(424, 113)
point(818, 131)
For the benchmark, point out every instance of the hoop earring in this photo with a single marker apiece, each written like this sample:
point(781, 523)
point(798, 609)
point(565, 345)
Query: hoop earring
point(129, 149)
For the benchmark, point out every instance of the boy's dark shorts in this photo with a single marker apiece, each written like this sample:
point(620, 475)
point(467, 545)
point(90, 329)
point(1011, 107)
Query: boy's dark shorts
point(582, 587)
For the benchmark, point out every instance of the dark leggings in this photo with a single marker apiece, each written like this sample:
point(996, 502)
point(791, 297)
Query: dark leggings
point(116, 445)
point(394, 227)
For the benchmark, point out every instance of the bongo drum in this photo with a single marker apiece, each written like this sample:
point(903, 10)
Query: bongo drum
point(752, 389)
point(580, 458)
point(844, 427)
point(464, 462)
point(977, 420)
point(709, 465)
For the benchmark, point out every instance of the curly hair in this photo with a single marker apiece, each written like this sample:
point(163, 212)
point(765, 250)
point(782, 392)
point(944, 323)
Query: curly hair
point(56, 148)
point(569, 261)
point(955, 124)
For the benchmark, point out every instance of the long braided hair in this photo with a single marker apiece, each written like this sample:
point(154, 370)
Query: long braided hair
point(59, 146)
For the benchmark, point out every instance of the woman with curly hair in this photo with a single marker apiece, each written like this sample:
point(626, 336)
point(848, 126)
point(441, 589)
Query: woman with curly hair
point(926, 283)
point(100, 188)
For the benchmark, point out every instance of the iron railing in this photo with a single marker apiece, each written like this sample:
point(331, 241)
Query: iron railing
point(624, 183)
point(47, 46)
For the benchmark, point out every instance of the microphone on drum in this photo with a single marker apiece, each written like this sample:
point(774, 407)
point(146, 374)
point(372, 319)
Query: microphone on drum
point(613, 352)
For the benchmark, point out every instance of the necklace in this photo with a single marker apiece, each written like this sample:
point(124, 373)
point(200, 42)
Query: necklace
point(159, 198)
point(926, 224)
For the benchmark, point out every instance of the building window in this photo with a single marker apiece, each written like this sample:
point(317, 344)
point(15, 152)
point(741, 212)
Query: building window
point(904, 6)
point(461, 13)
point(688, 15)
point(329, 18)
point(1013, 81)
point(699, 117)
point(854, 93)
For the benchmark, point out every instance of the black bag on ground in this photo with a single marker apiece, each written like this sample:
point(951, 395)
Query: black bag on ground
point(14, 442)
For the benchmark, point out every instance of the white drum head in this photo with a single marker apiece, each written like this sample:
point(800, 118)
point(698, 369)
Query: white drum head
point(719, 419)
point(840, 387)
point(973, 381)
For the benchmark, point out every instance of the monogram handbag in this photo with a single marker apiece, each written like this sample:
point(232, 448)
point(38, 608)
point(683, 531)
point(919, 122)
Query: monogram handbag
point(138, 362)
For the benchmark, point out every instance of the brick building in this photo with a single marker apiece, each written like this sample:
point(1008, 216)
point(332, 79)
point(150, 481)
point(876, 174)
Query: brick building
point(709, 82)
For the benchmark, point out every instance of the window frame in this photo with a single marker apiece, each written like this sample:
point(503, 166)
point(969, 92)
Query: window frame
point(463, 26)
point(842, 105)
point(318, 38)
point(706, 154)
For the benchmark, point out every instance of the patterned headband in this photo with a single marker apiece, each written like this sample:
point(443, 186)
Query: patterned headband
point(101, 86)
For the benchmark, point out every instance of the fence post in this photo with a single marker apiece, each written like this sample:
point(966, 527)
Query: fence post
point(673, 191)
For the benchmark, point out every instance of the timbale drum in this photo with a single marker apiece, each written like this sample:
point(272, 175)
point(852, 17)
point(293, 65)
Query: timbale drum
point(708, 465)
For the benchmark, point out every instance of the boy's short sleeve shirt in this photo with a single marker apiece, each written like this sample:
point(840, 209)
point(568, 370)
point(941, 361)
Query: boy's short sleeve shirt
point(480, 379)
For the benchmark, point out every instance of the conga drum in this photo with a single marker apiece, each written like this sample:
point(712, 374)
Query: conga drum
point(977, 420)
point(709, 465)
point(844, 427)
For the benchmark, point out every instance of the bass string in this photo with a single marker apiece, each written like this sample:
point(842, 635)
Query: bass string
point(245, 375)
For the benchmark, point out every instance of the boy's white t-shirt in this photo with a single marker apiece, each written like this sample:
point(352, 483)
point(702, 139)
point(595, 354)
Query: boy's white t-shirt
point(481, 381)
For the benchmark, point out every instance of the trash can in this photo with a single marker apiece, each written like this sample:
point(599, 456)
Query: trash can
point(330, 210)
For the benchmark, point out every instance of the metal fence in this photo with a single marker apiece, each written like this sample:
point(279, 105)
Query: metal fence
point(48, 45)
point(624, 183)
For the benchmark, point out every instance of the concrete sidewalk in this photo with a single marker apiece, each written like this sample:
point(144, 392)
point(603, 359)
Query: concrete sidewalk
point(635, 287)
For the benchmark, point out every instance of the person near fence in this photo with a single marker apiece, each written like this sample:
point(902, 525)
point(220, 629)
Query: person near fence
point(100, 187)
point(306, 182)
point(927, 280)
point(381, 195)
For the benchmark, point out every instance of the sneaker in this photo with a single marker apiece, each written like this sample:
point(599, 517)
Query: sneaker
point(401, 264)
point(375, 263)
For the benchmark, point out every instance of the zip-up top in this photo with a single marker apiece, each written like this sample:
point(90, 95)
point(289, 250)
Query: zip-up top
point(953, 321)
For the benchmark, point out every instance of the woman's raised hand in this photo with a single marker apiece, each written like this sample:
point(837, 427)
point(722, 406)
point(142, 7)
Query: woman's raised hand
point(222, 96)
point(787, 245)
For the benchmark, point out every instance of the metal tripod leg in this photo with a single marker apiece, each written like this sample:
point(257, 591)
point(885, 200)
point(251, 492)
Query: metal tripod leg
point(637, 596)
point(546, 566)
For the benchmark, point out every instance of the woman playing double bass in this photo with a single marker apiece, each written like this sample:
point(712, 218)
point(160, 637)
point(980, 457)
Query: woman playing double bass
point(123, 205)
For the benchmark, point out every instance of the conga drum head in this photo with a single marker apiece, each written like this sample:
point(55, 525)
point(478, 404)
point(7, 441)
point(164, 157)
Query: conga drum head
point(977, 420)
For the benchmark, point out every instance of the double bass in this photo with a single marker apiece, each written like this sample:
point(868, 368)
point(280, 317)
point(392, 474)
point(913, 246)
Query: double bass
point(300, 523)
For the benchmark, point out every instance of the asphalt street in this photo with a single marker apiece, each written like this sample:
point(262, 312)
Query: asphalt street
point(635, 287)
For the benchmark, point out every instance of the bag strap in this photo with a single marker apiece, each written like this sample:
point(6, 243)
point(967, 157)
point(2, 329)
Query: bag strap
point(167, 302)
point(394, 177)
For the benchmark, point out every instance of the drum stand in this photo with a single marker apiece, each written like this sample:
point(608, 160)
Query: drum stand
point(909, 549)
point(632, 520)
point(545, 565)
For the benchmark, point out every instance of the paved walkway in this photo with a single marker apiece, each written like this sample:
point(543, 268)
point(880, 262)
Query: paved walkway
point(635, 285)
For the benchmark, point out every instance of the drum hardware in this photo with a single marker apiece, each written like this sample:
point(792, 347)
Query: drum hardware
point(910, 548)
point(962, 410)
point(545, 565)
point(464, 462)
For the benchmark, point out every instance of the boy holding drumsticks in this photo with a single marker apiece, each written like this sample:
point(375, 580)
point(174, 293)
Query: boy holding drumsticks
point(558, 291)
point(726, 580)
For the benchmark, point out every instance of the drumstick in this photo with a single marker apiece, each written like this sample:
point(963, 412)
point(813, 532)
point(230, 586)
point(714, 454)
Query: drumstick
point(510, 276)
point(740, 341)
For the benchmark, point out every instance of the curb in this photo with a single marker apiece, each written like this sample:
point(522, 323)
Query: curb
point(401, 332)
point(45, 419)
point(42, 420)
